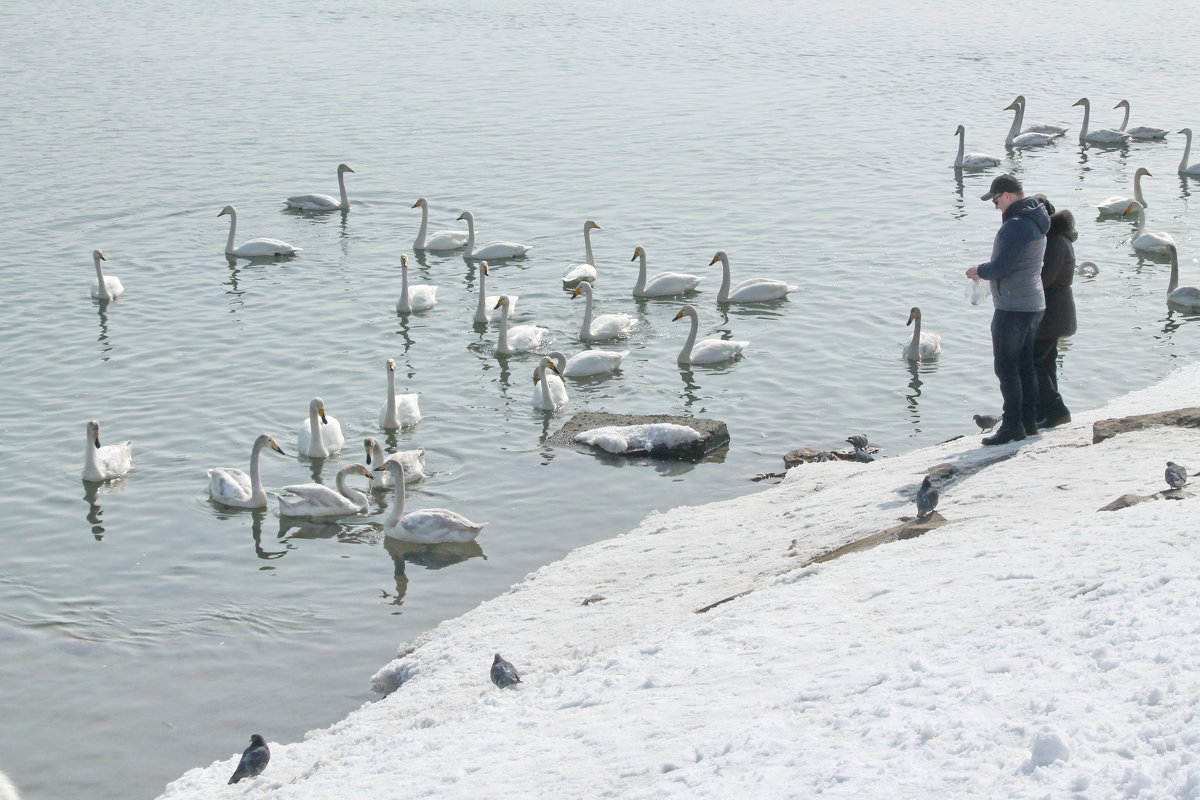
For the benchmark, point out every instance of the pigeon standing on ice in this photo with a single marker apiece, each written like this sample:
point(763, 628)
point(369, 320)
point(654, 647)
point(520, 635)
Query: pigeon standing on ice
point(254, 759)
point(927, 498)
point(986, 422)
point(863, 456)
point(1176, 475)
point(503, 673)
point(857, 441)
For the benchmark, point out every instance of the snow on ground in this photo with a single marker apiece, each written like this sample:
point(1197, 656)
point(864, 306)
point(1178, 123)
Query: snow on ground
point(1032, 647)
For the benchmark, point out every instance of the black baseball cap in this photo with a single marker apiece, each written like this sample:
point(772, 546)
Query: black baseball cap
point(1002, 184)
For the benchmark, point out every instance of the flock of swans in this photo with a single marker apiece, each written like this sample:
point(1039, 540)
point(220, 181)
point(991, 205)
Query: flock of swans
point(1146, 242)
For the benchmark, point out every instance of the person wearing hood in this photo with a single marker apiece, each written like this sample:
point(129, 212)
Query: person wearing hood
point(1058, 271)
point(1015, 271)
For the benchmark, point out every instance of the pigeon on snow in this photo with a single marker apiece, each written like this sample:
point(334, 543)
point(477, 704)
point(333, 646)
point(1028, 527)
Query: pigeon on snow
point(1176, 475)
point(927, 498)
point(986, 422)
point(863, 456)
point(503, 673)
point(254, 759)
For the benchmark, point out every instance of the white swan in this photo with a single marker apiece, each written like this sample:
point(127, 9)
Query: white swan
point(328, 440)
point(518, 339)
point(108, 287)
point(664, 284)
point(1016, 138)
point(1118, 205)
point(1144, 241)
point(1184, 297)
point(1100, 135)
point(923, 345)
point(1043, 127)
point(491, 249)
point(398, 410)
point(427, 526)
point(1184, 168)
point(588, 362)
point(254, 248)
point(485, 309)
point(965, 160)
point(604, 326)
point(1142, 133)
point(549, 391)
point(705, 351)
point(420, 297)
point(574, 273)
point(317, 500)
point(107, 462)
point(323, 202)
point(413, 461)
point(751, 290)
point(229, 486)
point(441, 240)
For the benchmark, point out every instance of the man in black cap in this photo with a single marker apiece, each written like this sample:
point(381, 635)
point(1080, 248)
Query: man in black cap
point(1015, 272)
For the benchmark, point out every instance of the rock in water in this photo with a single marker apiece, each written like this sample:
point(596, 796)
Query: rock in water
point(503, 673)
point(986, 422)
point(1176, 475)
point(927, 498)
point(254, 759)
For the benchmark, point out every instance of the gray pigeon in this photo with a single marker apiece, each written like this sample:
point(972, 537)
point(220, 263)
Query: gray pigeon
point(503, 673)
point(986, 422)
point(1176, 475)
point(927, 498)
point(863, 456)
point(857, 441)
point(254, 759)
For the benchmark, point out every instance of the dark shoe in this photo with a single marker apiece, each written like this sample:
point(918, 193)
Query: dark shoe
point(1031, 430)
point(1004, 436)
point(1055, 420)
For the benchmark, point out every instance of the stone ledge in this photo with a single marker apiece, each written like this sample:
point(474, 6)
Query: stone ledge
point(1181, 417)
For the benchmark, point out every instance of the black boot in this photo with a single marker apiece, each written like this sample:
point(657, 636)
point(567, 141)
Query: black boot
point(1005, 435)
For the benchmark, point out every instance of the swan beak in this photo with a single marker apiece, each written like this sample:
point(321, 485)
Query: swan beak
point(391, 365)
point(349, 168)
point(499, 303)
point(321, 412)
point(277, 449)
point(1077, 103)
point(635, 255)
point(553, 368)
point(381, 467)
point(460, 216)
point(414, 205)
point(102, 258)
point(576, 293)
point(221, 213)
point(96, 442)
point(678, 315)
point(715, 259)
point(1010, 107)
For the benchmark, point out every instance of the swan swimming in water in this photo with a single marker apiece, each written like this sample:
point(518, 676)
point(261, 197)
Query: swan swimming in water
point(420, 297)
point(604, 326)
point(254, 248)
point(1035, 127)
point(1142, 133)
point(1117, 205)
point(1184, 297)
point(751, 290)
point(485, 310)
point(328, 439)
point(108, 287)
point(323, 202)
point(1184, 168)
point(588, 362)
point(441, 240)
point(229, 486)
point(413, 461)
point(1100, 135)
point(705, 351)
point(104, 463)
point(1016, 138)
point(664, 284)
point(491, 249)
point(549, 391)
point(317, 500)
point(965, 160)
point(1144, 241)
point(574, 273)
point(923, 345)
point(398, 410)
point(518, 339)
point(427, 526)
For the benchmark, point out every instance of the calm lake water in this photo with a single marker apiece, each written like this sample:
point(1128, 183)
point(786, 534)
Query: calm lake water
point(146, 631)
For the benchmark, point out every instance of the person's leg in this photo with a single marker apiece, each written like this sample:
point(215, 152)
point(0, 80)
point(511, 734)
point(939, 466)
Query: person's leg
point(1007, 341)
point(1045, 358)
point(1027, 369)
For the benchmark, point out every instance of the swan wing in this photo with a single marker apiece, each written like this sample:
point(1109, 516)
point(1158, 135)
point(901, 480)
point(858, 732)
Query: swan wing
point(754, 290)
point(408, 411)
point(574, 273)
point(500, 250)
point(979, 161)
point(265, 247)
point(670, 283)
point(313, 202)
point(593, 362)
point(1114, 205)
point(1145, 133)
point(422, 296)
point(1033, 139)
point(612, 326)
point(433, 525)
point(1046, 128)
point(1185, 297)
point(525, 337)
point(712, 351)
point(493, 313)
point(229, 483)
point(113, 460)
point(445, 240)
point(313, 500)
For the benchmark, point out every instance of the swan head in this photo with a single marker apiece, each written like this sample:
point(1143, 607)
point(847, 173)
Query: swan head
point(266, 440)
point(230, 210)
point(591, 226)
point(1019, 101)
point(317, 406)
point(1083, 101)
point(483, 267)
point(391, 365)
point(342, 168)
point(1134, 207)
point(421, 201)
point(960, 130)
point(98, 256)
point(1186, 132)
point(1122, 104)
point(686, 311)
point(582, 288)
point(638, 252)
point(93, 432)
point(914, 314)
point(392, 465)
point(720, 256)
point(501, 302)
point(369, 444)
point(403, 261)
point(1142, 171)
point(467, 215)
point(355, 469)
point(1013, 106)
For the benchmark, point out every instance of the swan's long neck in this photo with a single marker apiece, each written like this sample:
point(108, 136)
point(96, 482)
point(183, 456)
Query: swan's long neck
point(641, 280)
point(685, 355)
point(585, 331)
point(1174, 284)
point(390, 412)
point(1141, 223)
point(396, 512)
point(342, 189)
point(256, 487)
point(103, 287)
point(723, 292)
point(1087, 115)
point(962, 148)
point(1125, 121)
point(916, 340)
point(587, 245)
point(405, 304)
point(547, 400)
point(91, 456)
point(560, 361)
point(1137, 183)
point(502, 341)
point(345, 490)
point(316, 438)
point(470, 218)
point(232, 231)
point(419, 244)
point(1187, 152)
point(1015, 128)
point(481, 308)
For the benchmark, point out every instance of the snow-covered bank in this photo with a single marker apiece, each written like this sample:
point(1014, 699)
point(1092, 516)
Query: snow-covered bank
point(1032, 647)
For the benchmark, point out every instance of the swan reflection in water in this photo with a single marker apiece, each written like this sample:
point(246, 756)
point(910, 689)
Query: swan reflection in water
point(913, 396)
point(106, 345)
point(95, 512)
point(429, 556)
